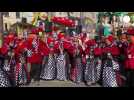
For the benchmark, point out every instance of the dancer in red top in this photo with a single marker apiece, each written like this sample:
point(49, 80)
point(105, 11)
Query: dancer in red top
point(110, 63)
point(35, 51)
point(9, 52)
point(93, 53)
point(49, 65)
point(63, 58)
point(22, 76)
point(77, 65)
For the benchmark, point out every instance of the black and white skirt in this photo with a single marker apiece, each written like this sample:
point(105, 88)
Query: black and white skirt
point(90, 72)
point(98, 68)
point(49, 69)
point(109, 73)
point(77, 70)
point(20, 75)
point(4, 79)
point(61, 67)
point(9, 68)
point(93, 70)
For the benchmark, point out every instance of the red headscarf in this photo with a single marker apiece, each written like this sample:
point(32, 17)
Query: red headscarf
point(110, 38)
point(130, 31)
point(11, 37)
point(61, 35)
point(50, 40)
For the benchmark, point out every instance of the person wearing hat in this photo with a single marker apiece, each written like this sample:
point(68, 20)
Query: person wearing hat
point(110, 63)
point(35, 52)
point(62, 58)
point(68, 44)
point(77, 71)
point(9, 52)
point(129, 66)
point(4, 78)
point(49, 66)
point(92, 52)
point(98, 58)
point(22, 76)
point(123, 43)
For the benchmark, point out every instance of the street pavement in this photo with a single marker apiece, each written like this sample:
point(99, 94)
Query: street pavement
point(56, 83)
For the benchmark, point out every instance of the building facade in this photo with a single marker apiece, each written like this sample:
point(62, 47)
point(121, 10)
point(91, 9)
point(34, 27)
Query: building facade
point(10, 18)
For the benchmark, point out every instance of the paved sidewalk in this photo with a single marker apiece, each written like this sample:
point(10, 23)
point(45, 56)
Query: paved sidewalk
point(56, 83)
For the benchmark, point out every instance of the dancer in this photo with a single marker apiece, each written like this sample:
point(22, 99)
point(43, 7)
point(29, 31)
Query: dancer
point(49, 61)
point(93, 62)
point(129, 66)
point(77, 66)
point(62, 59)
point(110, 63)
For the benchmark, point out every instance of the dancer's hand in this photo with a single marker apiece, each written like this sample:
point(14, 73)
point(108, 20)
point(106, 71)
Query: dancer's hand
point(9, 54)
point(12, 54)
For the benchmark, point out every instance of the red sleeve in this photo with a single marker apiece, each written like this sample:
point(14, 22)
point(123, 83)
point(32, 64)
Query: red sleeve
point(56, 47)
point(43, 48)
point(20, 48)
point(98, 51)
point(66, 45)
point(71, 50)
point(115, 51)
point(106, 50)
point(90, 42)
point(87, 50)
point(81, 50)
point(93, 42)
point(16, 50)
point(4, 49)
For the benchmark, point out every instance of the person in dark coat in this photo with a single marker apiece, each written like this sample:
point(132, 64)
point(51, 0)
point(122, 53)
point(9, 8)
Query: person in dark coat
point(129, 62)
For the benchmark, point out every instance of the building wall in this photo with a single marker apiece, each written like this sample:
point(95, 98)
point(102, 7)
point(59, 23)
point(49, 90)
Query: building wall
point(9, 20)
point(12, 18)
point(92, 15)
point(29, 15)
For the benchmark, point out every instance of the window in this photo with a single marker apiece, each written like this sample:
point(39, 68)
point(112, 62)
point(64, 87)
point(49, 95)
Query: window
point(24, 20)
point(17, 14)
point(6, 27)
point(6, 14)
